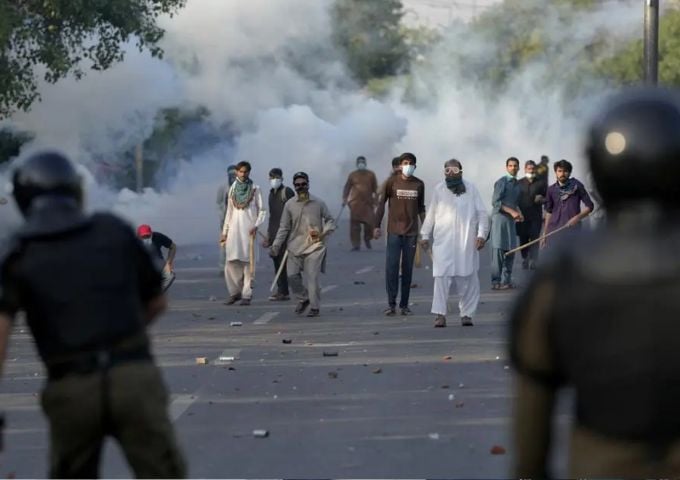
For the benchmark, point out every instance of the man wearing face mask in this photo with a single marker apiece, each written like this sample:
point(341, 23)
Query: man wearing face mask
point(533, 191)
point(155, 242)
point(360, 193)
point(458, 223)
point(506, 213)
point(563, 201)
point(222, 208)
point(305, 224)
point(278, 196)
point(406, 196)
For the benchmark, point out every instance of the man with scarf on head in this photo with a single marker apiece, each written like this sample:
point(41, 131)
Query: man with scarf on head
point(406, 196)
point(245, 212)
point(531, 205)
point(563, 201)
point(222, 208)
point(305, 224)
point(506, 213)
point(278, 196)
point(458, 223)
point(360, 193)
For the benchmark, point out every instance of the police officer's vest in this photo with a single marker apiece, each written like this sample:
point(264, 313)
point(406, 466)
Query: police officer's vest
point(614, 329)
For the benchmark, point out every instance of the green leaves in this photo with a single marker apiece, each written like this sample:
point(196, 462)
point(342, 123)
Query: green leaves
point(68, 37)
point(369, 35)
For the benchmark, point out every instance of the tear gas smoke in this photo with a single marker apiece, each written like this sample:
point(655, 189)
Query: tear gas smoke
point(279, 95)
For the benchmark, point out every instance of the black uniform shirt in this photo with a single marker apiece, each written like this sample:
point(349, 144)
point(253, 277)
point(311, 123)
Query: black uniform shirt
point(82, 289)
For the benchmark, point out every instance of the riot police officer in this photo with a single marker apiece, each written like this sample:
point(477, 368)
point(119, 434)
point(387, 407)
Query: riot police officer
point(603, 315)
point(89, 289)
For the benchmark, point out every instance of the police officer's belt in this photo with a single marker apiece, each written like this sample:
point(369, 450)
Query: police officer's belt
point(90, 362)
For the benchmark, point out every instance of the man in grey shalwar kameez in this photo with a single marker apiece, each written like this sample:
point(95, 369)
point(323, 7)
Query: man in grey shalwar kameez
point(305, 223)
point(506, 212)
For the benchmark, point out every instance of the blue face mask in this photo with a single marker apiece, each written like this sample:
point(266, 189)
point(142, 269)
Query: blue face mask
point(408, 170)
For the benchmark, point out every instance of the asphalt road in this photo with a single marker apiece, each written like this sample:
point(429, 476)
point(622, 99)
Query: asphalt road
point(400, 399)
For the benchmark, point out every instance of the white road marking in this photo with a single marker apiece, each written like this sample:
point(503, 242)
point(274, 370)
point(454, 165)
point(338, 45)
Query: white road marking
point(180, 404)
point(365, 270)
point(265, 318)
point(228, 355)
point(328, 288)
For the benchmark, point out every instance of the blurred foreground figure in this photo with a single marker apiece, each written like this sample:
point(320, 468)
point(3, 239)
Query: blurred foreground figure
point(89, 289)
point(602, 315)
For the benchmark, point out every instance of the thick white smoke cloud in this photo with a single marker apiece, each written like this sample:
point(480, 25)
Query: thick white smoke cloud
point(277, 90)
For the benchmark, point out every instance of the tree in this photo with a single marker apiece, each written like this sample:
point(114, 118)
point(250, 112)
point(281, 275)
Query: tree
point(63, 37)
point(626, 66)
point(369, 35)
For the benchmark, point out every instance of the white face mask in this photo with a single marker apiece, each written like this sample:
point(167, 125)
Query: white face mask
point(408, 170)
point(361, 166)
point(147, 241)
point(275, 182)
point(530, 176)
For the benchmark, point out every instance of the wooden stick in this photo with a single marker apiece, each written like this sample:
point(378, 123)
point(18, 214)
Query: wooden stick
point(417, 260)
point(252, 256)
point(278, 274)
point(528, 244)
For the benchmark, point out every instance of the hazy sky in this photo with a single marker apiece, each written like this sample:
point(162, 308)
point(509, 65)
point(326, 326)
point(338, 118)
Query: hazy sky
point(439, 13)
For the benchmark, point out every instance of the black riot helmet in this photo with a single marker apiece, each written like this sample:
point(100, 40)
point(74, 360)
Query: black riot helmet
point(634, 148)
point(45, 173)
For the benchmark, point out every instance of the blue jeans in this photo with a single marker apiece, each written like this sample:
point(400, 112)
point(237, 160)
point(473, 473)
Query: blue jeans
point(501, 267)
point(399, 247)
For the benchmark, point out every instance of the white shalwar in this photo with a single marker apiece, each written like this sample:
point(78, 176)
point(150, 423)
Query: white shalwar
point(237, 225)
point(452, 225)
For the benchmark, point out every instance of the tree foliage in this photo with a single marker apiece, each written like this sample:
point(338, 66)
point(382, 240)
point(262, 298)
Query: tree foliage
point(626, 66)
point(55, 38)
point(369, 35)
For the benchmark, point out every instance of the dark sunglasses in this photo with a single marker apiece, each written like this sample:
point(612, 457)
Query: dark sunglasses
point(300, 184)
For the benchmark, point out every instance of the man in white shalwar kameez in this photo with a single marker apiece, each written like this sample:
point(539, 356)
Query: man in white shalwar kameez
point(245, 212)
point(456, 224)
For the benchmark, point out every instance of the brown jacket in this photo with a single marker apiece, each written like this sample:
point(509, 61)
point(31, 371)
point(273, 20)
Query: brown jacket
point(360, 194)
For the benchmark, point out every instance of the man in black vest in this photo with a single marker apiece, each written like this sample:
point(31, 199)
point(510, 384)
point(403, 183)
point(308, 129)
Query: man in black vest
point(278, 196)
point(89, 289)
point(601, 314)
point(531, 199)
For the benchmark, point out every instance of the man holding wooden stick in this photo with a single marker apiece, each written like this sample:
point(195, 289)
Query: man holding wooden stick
point(245, 213)
point(563, 201)
point(305, 223)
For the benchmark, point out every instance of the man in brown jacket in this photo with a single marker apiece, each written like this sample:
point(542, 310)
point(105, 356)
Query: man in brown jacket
point(360, 193)
point(406, 196)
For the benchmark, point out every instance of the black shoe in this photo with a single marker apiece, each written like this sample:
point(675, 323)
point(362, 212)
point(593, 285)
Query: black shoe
point(233, 299)
point(525, 264)
point(406, 311)
point(440, 321)
point(466, 321)
point(301, 306)
point(368, 244)
point(355, 249)
point(245, 301)
point(279, 297)
point(313, 312)
point(390, 311)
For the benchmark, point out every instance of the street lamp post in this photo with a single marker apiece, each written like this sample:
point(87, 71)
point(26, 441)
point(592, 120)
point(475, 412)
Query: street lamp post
point(651, 39)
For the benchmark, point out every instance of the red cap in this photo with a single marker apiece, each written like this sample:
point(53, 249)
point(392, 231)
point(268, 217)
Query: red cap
point(143, 230)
